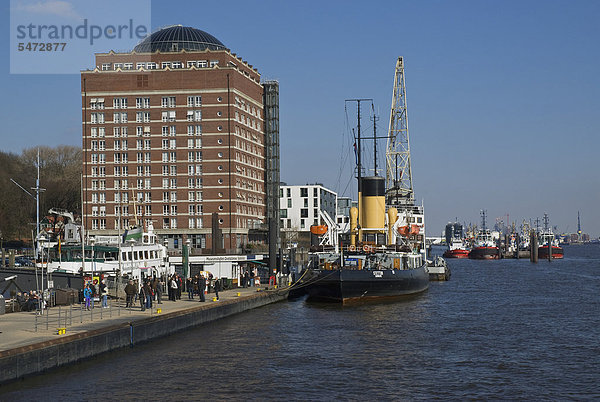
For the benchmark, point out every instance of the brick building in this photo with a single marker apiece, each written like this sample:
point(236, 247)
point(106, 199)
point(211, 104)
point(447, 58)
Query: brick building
point(174, 134)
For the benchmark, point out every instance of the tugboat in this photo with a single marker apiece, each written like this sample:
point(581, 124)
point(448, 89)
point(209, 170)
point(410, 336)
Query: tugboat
point(455, 240)
point(485, 247)
point(548, 242)
point(385, 257)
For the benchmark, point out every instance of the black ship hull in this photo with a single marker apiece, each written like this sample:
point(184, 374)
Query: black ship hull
point(352, 285)
point(557, 252)
point(484, 253)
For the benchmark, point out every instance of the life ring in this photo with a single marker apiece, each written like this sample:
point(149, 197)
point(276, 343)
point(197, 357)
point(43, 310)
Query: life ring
point(367, 248)
point(351, 248)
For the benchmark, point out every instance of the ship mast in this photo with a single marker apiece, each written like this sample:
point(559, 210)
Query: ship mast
point(398, 171)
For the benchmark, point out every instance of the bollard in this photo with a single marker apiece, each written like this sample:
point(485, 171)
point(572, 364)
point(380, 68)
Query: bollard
point(158, 310)
point(238, 294)
point(214, 299)
point(533, 244)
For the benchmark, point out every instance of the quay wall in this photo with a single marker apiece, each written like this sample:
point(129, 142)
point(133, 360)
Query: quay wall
point(37, 358)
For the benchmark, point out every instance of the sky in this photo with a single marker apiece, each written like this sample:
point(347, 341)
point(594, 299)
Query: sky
point(502, 95)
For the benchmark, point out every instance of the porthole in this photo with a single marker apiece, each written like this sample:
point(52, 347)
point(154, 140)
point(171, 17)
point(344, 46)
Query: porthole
point(219, 113)
point(220, 207)
point(220, 181)
point(220, 128)
point(220, 154)
point(219, 141)
point(221, 221)
point(220, 195)
point(219, 99)
point(220, 167)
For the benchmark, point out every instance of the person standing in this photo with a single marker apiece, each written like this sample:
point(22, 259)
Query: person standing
point(104, 293)
point(201, 287)
point(87, 295)
point(130, 293)
point(173, 288)
point(148, 293)
point(189, 284)
point(159, 290)
point(179, 286)
point(142, 297)
point(217, 287)
point(247, 278)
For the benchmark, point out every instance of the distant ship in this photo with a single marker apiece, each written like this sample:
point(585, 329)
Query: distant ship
point(548, 242)
point(456, 241)
point(485, 248)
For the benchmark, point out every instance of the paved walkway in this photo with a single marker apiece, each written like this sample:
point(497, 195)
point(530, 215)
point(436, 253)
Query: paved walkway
point(21, 329)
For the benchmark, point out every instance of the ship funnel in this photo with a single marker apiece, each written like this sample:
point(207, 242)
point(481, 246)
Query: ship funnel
point(373, 204)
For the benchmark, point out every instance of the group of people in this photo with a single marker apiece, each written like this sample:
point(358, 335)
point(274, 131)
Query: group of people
point(90, 291)
point(247, 279)
point(29, 301)
point(149, 291)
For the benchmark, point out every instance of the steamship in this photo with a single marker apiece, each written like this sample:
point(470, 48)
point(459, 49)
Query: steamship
point(385, 257)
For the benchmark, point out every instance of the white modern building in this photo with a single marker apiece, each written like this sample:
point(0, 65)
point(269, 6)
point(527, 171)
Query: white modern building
point(299, 206)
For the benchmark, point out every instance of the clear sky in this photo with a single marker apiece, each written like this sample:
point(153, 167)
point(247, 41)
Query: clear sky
point(503, 96)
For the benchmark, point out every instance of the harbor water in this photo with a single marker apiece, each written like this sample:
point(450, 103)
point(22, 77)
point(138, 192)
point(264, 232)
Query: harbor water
point(505, 329)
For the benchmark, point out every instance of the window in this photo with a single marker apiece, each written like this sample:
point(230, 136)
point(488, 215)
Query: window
point(105, 66)
point(304, 213)
point(197, 115)
point(303, 192)
point(289, 202)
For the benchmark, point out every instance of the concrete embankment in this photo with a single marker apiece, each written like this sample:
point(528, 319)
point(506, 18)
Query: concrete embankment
point(57, 351)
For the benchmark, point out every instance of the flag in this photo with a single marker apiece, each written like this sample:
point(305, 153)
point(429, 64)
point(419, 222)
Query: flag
point(133, 234)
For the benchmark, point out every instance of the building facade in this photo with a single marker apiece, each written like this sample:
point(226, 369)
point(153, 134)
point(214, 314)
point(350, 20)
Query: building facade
point(174, 134)
point(299, 206)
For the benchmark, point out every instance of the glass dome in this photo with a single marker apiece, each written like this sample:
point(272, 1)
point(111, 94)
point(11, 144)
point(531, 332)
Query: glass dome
point(176, 38)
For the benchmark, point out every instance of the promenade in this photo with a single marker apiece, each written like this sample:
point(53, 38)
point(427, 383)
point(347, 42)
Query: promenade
point(25, 350)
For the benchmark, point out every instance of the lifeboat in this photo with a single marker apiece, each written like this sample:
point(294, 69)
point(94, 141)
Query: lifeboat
point(318, 229)
point(404, 230)
point(414, 229)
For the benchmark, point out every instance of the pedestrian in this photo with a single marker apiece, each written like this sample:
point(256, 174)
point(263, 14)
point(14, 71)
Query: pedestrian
point(142, 297)
point(87, 295)
point(247, 279)
point(252, 278)
point(104, 293)
point(217, 288)
point(242, 280)
point(130, 292)
point(159, 291)
point(189, 284)
point(201, 287)
point(173, 288)
point(179, 286)
point(148, 293)
point(154, 285)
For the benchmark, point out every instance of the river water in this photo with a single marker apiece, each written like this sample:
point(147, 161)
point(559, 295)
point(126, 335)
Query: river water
point(504, 329)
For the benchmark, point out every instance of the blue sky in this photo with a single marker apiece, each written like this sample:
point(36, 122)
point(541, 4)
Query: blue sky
point(502, 95)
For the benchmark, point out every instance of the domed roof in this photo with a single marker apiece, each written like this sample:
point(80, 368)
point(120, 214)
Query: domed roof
point(176, 38)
